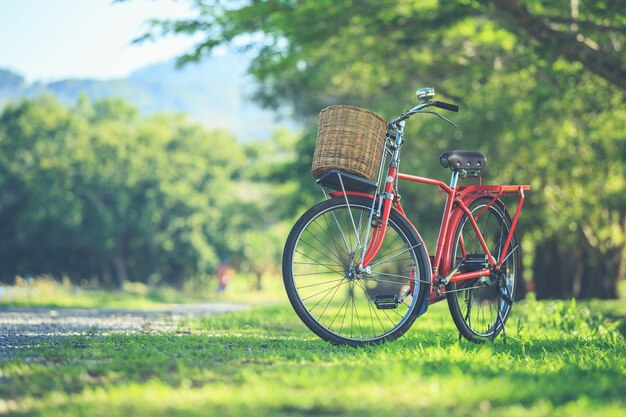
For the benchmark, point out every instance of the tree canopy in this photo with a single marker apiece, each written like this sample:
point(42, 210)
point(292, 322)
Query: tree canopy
point(98, 190)
point(541, 85)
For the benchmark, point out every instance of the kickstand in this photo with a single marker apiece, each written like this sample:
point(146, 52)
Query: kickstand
point(503, 327)
point(503, 291)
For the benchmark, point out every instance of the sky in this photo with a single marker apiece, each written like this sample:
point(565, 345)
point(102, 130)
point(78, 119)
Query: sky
point(48, 40)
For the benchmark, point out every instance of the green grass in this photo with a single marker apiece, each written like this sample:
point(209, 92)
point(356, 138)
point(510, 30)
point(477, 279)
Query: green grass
point(46, 292)
point(560, 359)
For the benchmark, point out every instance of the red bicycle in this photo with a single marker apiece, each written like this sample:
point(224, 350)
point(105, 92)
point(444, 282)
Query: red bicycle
point(357, 272)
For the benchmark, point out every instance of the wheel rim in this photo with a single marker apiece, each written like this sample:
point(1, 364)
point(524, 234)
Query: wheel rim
point(482, 306)
point(356, 306)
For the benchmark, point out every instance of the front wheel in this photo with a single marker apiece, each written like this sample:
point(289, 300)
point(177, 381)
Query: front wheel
point(480, 307)
point(331, 296)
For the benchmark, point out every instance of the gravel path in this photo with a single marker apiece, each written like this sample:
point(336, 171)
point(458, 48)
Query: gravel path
point(25, 327)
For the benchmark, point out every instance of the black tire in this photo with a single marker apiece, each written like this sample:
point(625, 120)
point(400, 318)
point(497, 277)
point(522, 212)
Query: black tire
point(331, 298)
point(481, 307)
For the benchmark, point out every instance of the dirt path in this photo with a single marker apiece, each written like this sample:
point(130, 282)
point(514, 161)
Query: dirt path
point(25, 327)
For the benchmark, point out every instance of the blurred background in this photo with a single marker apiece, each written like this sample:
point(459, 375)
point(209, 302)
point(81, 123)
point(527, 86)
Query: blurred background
point(167, 144)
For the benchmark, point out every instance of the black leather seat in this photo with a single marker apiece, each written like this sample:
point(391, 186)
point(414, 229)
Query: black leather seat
point(463, 160)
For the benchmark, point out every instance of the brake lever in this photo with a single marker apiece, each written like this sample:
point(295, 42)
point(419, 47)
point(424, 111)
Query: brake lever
point(438, 115)
point(418, 109)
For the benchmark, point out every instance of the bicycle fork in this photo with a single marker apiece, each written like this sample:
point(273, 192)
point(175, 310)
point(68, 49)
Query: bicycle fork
point(386, 200)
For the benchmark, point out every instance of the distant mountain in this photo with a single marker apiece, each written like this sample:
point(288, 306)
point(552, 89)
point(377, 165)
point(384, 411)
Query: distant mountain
point(214, 93)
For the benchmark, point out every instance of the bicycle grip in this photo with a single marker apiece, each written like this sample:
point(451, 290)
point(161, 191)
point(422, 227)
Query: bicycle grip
point(447, 106)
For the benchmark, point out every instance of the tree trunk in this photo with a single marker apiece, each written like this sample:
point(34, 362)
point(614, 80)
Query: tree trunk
point(579, 271)
point(602, 272)
point(121, 272)
point(119, 261)
point(259, 277)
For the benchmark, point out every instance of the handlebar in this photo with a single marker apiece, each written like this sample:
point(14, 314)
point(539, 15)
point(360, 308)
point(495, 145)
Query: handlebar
point(446, 106)
point(418, 109)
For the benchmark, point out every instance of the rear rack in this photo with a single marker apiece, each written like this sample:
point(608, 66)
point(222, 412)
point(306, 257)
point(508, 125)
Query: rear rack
point(334, 178)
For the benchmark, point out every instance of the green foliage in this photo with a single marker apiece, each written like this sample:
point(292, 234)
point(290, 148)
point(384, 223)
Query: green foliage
point(262, 215)
point(540, 84)
point(265, 362)
point(98, 191)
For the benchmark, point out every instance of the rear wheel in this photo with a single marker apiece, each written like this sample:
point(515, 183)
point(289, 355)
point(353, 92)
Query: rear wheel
point(331, 296)
point(480, 307)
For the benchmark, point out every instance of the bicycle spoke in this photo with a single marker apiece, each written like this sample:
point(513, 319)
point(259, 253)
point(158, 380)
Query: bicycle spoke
point(468, 303)
point(372, 309)
point(345, 241)
point(359, 231)
point(337, 262)
point(327, 304)
point(324, 265)
point(331, 295)
point(319, 283)
point(395, 255)
point(407, 277)
point(500, 243)
point(383, 281)
point(510, 253)
point(389, 245)
point(356, 312)
point(343, 319)
point(317, 273)
point(480, 310)
point(327, 232)
point(322, 245)
point(322, 292)
point(314, 263)
point(465, 289)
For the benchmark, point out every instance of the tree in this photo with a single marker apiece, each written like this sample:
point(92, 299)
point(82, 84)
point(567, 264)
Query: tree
point(100, 191)
point(592, 34)
point(263, 215)
point(544, 78)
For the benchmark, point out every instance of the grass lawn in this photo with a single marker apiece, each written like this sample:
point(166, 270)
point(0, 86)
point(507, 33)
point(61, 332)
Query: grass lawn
point(560, 359)
point(46, 292)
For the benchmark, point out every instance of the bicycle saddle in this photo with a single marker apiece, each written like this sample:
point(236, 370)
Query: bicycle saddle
point(467, 160)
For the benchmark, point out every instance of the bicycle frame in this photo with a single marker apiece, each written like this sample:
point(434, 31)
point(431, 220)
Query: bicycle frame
point(356, 270)
point(457, 200)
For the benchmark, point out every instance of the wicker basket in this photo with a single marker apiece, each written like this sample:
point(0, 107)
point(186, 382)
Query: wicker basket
point(350, 139)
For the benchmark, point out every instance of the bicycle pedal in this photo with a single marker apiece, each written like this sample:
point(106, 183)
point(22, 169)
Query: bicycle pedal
point(386, 302)
point(475, 262)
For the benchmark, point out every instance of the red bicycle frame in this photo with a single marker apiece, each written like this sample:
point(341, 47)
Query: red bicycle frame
point(458, 199)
